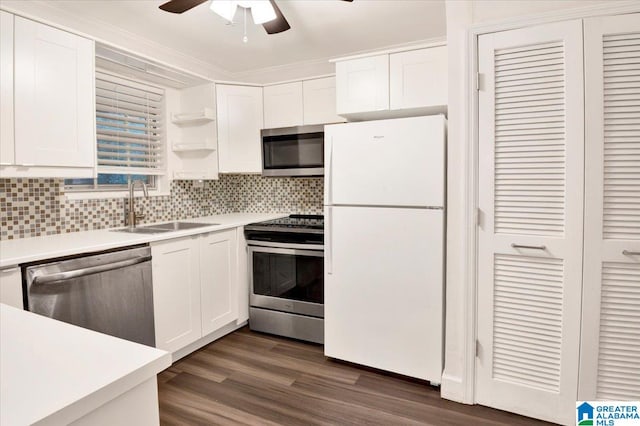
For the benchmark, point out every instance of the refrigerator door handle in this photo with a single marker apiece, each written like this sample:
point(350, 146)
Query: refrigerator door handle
point(328, 243)
point(329, 174)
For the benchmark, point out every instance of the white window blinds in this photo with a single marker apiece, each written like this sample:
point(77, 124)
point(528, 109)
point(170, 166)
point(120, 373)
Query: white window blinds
point(129, 123)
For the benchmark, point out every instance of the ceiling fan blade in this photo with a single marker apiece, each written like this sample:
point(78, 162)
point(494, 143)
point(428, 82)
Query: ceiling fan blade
point(279, 24)
point(179, 6)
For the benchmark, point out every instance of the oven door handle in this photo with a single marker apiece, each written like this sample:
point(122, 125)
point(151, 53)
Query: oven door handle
point(294, 246)
point(291, 251)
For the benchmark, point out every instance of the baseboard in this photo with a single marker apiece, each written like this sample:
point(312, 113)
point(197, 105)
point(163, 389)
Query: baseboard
point(452, 388)
point(203, 341)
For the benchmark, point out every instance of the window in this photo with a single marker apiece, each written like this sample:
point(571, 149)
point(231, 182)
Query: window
point(130, 140)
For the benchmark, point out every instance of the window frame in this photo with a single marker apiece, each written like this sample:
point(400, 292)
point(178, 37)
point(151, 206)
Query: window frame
point(160, 185)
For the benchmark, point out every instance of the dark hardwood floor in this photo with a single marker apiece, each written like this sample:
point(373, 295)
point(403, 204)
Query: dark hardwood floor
point(258, 379)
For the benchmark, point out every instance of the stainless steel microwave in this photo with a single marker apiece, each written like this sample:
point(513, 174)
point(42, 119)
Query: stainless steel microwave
point(293, 151)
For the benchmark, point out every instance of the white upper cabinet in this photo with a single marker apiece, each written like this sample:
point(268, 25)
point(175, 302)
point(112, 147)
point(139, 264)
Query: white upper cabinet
point(393, 85)
point(418, 78)
point(362, 84)
point(240, 119)
point(283, 105)
point(54, 97)
point(6, 88)
point(319, 101)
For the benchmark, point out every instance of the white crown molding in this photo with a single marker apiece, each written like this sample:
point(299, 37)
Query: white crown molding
point(403, 47)
point(601, 9)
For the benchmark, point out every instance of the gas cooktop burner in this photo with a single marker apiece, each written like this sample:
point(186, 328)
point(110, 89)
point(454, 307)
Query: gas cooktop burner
point(292, 223)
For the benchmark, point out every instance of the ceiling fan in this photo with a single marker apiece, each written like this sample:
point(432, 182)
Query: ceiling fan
point(272, 26)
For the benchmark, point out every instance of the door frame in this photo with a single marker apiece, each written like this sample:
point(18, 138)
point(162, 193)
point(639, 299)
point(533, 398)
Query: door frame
point(466, 393)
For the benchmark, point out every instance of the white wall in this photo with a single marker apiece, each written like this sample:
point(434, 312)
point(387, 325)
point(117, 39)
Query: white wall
point(462, 15)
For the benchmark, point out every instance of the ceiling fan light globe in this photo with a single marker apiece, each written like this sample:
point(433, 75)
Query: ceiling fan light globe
point(225, 8)
point(261, 11)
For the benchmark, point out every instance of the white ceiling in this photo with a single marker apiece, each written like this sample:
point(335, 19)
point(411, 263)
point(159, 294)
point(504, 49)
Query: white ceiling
point(320, 29)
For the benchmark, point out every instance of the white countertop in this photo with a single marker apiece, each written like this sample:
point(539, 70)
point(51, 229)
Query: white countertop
point(14, 252)
point(54, 373)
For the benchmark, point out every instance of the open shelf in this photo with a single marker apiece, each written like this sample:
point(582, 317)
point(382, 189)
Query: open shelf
point(193, 118)
point(206, 145)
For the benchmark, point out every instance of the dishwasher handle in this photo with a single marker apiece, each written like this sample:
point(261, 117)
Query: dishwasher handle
point(60, 276)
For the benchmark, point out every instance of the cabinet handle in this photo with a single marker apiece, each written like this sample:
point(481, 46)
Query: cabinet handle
point(7, 270)
point(522, 246)
point(630, 253)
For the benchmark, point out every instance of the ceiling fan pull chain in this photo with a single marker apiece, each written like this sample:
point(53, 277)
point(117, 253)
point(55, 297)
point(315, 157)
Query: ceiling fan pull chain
point(245, 38)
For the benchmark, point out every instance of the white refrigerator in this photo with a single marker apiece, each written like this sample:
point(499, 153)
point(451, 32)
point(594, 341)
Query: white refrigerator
point(384, 244)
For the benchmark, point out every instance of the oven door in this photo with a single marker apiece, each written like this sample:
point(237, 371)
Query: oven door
point(287, 279)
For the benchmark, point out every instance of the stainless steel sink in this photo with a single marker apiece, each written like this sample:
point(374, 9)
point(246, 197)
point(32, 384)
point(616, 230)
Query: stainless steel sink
point(164, 227)
point(179, 226)
point(141, 230)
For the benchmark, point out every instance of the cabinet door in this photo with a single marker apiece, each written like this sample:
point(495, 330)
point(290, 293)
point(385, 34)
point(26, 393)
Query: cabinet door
point(218, 280)
point(176, 292)
point(239, 111)
point(283, 105)
point(418, 78)
point(610, 351)
point(531, 186)
point(319, 97)
point(54, 97)
point(6, 88)
point(11, 287)
point(362, 85)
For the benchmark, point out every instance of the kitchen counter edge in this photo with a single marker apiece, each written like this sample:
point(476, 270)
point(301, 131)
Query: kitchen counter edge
point(16, 252)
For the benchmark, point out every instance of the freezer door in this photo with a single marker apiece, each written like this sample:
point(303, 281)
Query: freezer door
point(384, 289)
point(399, 162)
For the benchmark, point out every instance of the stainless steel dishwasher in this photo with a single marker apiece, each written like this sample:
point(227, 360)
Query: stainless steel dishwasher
point(110, 292)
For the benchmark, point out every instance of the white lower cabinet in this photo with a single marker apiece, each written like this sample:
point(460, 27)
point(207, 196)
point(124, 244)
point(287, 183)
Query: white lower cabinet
point(194, 287)
point(11, 287)
point(218, 283)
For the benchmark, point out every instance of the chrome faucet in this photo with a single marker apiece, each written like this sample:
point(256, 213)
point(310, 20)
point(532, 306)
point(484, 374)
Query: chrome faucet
point(132, 216)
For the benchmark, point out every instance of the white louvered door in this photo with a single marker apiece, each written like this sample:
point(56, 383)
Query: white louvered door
point(610, 352)
point(531, 204)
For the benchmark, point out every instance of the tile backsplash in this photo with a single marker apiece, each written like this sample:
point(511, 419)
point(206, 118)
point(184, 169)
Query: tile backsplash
point(33, 207)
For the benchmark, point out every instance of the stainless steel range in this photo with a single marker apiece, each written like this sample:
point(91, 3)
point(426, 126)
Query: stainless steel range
point(286, 269)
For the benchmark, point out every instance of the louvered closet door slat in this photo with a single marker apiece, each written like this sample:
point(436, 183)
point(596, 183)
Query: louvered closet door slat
point(610, 351)
point(533, 90)
point(530, 187)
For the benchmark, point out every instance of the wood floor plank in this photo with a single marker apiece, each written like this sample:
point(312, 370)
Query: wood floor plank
point(249, 378)
point(318, 409)
point(184, 406)
point(203, 368)
point(228, 362)
point(292, 366)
